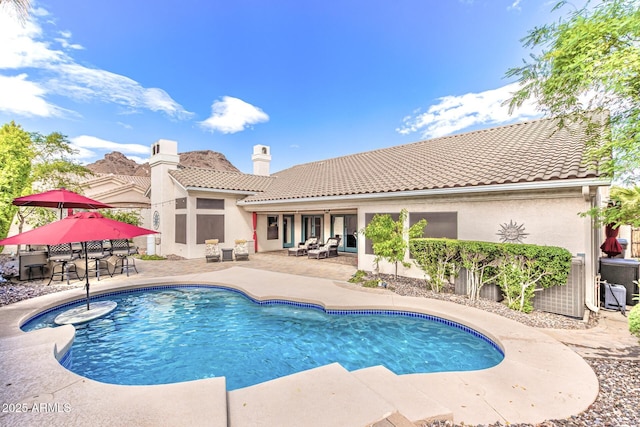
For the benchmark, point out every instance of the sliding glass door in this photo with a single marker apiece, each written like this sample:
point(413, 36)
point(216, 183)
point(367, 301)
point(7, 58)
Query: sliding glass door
point(287, 231)
point(345, 226)
point(312, 227)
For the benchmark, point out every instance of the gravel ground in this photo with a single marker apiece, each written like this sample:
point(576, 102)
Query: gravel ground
point(617, 405)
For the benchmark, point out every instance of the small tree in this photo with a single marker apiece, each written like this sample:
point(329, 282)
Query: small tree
point(389, 238)
point(128, 216)
point(52, 166)
point(15, 168)
point(623, 209)
point(589, 62)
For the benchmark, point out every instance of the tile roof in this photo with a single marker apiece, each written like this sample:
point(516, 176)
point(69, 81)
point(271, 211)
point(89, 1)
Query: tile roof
point(141, 181)
point(523, 152)
point(189, 176)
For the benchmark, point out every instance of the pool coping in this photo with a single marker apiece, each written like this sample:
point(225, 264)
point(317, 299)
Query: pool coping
point(539, 378)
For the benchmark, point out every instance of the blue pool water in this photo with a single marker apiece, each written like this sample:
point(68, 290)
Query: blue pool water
point(179, 334)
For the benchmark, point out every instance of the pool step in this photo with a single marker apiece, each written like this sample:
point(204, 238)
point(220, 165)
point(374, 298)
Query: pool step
point(394, 420)
point(405, 398)
point(322, 397)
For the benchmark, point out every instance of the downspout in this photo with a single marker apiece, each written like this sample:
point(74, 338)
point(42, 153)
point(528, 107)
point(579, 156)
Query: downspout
point(590, 292)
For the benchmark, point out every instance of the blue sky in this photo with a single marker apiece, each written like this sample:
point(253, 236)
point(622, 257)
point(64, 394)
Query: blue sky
point(311, 79)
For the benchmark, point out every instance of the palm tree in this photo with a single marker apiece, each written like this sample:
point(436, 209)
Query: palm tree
point(21, 8)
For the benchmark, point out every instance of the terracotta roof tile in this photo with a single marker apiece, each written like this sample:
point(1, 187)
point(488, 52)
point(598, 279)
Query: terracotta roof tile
point(522, 152)
point(140, 181)
point(189, 176)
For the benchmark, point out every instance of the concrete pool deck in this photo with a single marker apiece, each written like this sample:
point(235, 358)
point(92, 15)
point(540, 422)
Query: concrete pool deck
point(540, 378)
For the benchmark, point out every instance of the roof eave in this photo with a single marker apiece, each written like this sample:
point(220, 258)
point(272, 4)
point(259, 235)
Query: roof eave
point(520, 186)
point(220, 190)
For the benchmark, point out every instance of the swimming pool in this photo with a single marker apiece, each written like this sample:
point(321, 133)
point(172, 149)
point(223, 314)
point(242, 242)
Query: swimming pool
point(181, 333)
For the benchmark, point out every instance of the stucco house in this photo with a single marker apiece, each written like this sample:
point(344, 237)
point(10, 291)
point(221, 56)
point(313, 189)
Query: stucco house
point(523, 182)
point(122, 192)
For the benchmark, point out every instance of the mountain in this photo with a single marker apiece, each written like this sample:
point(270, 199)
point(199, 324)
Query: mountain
point(117, 164)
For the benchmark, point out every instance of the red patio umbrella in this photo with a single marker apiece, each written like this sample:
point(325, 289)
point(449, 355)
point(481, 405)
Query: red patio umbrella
point(81, 227)
point(611, 246)
point(59, 198)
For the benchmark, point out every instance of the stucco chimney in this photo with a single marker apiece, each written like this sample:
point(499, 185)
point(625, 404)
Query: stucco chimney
point(261, 160)
point(164, 157)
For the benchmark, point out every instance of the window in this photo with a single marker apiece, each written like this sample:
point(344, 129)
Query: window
point(272, 228)
point(209, 203)
point(181, 203)
point(439, 224)
point(181, 228)
point(209, 227)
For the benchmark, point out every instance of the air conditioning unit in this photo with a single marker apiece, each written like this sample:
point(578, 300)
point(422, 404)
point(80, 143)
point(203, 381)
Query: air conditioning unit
point(615, 297)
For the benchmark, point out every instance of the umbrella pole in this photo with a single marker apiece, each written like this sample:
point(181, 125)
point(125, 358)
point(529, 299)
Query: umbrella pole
point(86, 272)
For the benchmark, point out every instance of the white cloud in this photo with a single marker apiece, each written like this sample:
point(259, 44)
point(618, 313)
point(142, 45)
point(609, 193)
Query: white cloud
point(87, 84)
point(20, 96)
point(125, 125)
point(231, 115)
point(21, 46)
point(455, 113)
point(515, 5)
point(92, 142)
point(55, 71)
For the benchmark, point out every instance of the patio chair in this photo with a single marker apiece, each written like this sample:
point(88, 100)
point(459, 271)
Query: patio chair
point(211, 250)
point(123, 251)
point(62, 256)
point(96, 252)
point(303, 247)
point(241, 250)
point(328, 249)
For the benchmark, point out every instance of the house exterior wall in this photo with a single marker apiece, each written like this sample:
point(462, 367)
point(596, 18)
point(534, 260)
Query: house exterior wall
point(548, 217)
point(237, 223)
point(111, 191)
point(265, 244)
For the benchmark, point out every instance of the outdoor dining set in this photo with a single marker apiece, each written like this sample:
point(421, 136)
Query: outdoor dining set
point(101, 254)
point(87, 236)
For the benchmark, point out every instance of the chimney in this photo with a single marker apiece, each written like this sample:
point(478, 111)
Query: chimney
point(164, 157)
point(261, 159)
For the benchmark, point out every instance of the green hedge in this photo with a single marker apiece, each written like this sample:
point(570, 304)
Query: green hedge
point(517, 268)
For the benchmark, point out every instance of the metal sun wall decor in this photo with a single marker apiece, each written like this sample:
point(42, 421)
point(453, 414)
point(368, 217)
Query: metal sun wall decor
point(512, 232)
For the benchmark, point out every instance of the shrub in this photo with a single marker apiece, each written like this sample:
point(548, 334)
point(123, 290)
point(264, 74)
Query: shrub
point(151, 257)
point(523, 268)
point(373, 283)
point(517, 268)
point(357, 277)
point(438, 258)
point(634, 320)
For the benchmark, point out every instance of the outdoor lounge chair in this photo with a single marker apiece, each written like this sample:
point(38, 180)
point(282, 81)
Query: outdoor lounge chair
point(303, 247)
point(241, 250)
point(62, 256)
point(211, 250)
point(329, 249)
